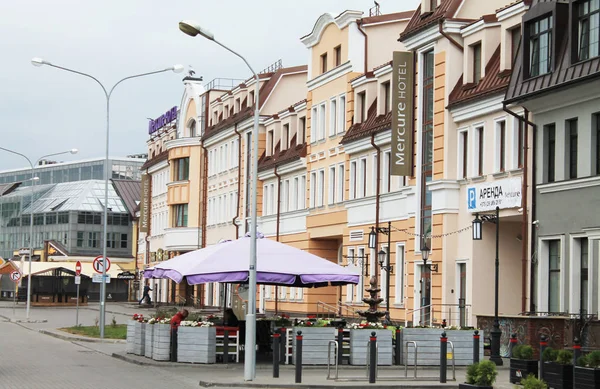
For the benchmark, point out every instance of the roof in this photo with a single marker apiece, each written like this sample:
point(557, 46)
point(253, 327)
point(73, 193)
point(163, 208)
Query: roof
point(156, 160)
point(374, 124)
point(264, 93)
point(493, 82)
point(130, 192)
point(388, 17)
point(281, 157)
point(7, 188)
point(419, 22)
point(564, 72)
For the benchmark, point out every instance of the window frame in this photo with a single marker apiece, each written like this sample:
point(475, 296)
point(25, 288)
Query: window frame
point(572, 135)
point(577, 19)
point(337, 55)
point(323, 63)
point(476, 62)
point(528, 59)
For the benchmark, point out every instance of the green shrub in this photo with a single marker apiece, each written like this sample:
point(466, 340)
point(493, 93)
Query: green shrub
point(593, 359)
point(531, 382)
point(483, 373)
point(582, 361)
point(549, 355)
point(564, 357)
point(523, 351)
point(472, 373)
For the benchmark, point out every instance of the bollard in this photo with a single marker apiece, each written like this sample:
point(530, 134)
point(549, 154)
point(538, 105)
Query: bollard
point(543, 345)
point(513, 343)
point(373, 358)
point(576, 350)
point(476, 347)
point(276, 349)
point(283, 346)
point(173, 344)
point(298, 360)
point(340, 348)
point(398, 346)
point(443, 356)
point(226, 346)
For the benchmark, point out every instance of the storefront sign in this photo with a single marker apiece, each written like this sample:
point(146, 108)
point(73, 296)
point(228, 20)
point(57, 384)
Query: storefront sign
point(402, 113)
point(145, 203)
point(489, 195)
point(162, 120)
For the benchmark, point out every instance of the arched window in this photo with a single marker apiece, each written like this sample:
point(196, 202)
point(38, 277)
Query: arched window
point(192, 128)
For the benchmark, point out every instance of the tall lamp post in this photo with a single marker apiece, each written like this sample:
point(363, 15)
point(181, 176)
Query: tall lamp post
point(33, 180)
point(496, 332)
point(384, 260)
point(193, 28)
point(107, 94)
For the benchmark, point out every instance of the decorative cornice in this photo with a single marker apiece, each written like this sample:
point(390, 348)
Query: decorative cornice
point(341, 21)
point(569, 185)
point(329, 76)
point(477, 108)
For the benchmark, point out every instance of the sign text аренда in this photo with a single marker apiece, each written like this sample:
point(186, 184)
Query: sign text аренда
point(489, 195)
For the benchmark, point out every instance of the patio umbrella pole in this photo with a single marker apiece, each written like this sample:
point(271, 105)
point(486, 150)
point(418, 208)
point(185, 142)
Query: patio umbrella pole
point(276, 299)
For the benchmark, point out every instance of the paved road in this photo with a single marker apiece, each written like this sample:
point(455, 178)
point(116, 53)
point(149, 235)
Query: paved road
point(35, 361)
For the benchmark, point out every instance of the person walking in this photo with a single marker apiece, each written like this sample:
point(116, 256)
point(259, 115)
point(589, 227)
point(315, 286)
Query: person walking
point(146, 294)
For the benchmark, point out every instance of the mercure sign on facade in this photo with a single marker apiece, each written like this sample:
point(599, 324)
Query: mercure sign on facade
point(402, 113)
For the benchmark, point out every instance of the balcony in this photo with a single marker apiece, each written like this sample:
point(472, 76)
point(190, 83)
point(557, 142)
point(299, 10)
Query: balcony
point(182, 238)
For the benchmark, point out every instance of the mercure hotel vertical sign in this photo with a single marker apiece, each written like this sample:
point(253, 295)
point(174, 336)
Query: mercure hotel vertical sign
point(402, 113)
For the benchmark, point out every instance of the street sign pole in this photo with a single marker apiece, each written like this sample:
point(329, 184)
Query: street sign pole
point(77, 282)
point(77, 310)
point(15, 297)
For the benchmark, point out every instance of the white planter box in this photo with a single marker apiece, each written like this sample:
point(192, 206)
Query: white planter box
point(161, 342)
point(130, 346)
point(359, 343)
point(428, 342)
point(197, 344)
point(315, 341)
point(149, 340)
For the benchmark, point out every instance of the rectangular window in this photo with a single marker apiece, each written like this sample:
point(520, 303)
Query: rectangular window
point(551, 152)
point(341, 126)
point(285, 196)
point(361, 261)
point(385, 174)
point(302, 193)
point(399, 269)
point(353, 181)
point(596, 121)
point(362, 107)
point(338, 55)
point(313, 189)
point(332, 117)
point(322, 122)
point(79, 238)
point(350, 287)
point(362, 178)
point(432, 5)
point(476, 52)
point(323, 63)
point(295, 195)
point(285, 137)
point(50, 218)
point(584, 283)
point(301, 138)
point(38, 220)
point(181, 215)
point(464, 152)
point(182, 169)
point(270, 143)
point(540, 46)
point(501, 148)
point(572, 128)
point(515, 39)
point(265, 199)
point(340, 183)
point(63, 218)
point(589, 29)
point(237, 105)
point(480, 154)
point(332, 185)
point(521, 145)
point(123, 241)
point(273, 202)
point(93, 240)
point(554, 276)
point(321, 188)
point(313, 125)
point(386, 97)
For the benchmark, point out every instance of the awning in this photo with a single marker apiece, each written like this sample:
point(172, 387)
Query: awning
point(86, 268)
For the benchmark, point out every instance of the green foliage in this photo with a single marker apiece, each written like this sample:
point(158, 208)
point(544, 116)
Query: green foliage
point(531, 382)
point(582, 361)
point(549, 355)
point(164, 312)
point(564, 357)
point(523, 351)
point(194, 316)
point(593, 359)
point(117, 332)
point(483, 373)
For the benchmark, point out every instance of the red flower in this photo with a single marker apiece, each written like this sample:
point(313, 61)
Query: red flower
point(312, 316)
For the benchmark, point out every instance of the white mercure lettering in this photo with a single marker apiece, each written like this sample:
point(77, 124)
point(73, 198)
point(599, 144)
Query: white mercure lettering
point(400, 129)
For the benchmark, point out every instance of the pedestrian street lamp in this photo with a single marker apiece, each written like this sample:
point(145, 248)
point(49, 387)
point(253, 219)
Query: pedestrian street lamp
point(107, 94)
point(33, 180)
point(496, 332)
point(384, 260)
point(193, 29)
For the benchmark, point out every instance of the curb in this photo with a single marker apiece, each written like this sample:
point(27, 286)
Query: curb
point(80, 339)
point(334, 385)
point(168, 364)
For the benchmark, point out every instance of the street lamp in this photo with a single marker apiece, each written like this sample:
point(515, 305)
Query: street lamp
point(383, 257)
point(192, 28)
point(107, 94)
point(33, 180)
point(496, 332)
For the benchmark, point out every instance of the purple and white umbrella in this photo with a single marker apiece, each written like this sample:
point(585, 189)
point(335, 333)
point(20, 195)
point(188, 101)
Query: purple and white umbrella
point(277, 264)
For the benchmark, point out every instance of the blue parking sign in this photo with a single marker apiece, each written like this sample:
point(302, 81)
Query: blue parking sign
point(472, 198)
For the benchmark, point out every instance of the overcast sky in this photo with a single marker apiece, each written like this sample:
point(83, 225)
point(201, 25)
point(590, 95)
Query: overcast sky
point(46, 110)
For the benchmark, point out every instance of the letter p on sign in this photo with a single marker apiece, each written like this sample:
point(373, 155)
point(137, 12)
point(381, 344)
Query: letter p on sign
point(472, 194)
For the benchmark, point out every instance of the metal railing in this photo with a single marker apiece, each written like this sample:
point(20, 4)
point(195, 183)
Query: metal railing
point(223, 83)
point(456, 315)
point(339, 310)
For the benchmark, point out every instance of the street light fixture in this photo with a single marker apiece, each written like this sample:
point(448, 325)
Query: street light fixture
point(383, 257)
point(496, 332)
point(33, 181)
point(107, 94)
point(193, 28)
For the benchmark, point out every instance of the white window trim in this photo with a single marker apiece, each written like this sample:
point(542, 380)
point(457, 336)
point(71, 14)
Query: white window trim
point(340, 178)
point(333, 113)
point(497, 139)
point(460, 148)
point(386, 178)
point(313, 189)
point(543, 271)
point(353, 192)
point(314, 123)
point(322, 120)
point(302, 193)
point(400, 276)
point(474, 141)
point(515, 143)
point(362, 177)
point(341, 126)
point(374, 176)
point(321, 188)
point(332, 187)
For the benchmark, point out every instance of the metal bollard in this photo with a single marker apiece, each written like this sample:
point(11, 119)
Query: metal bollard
point(543, 346)
point(513, 343)
point(174, 345)
point(476, 347)
point(443, 356)
point(226, 346)
point(340, 349)
point(283, 346)
point(398, 347)
point(576, 350)
point(276, 349)
point(373, 358)
point(298, 359)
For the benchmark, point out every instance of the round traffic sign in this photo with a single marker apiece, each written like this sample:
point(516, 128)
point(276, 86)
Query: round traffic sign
point(78, 268)
point(98, 264)
point(15, 275)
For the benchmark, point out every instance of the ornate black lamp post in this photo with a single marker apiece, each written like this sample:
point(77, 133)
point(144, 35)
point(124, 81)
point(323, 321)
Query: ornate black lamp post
point(496, 332)
point(384, 260)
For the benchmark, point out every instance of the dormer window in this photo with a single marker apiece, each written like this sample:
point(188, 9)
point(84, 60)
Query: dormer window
point(386, 97)
point(432, 5)
point(589, 29)
point(338, 55)
point(285, 137)
point(270, 143)
point(323, 63)
point(540, 46)
point(251, 101)
point(476, 52)
point(515, 39)
point(362, 107)
point(238, 105)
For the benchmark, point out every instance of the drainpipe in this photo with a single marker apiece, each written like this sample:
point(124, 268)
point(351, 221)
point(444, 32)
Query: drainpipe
point(377, 195)
point(526, 123)
point(359, 25)
point(452, 40)
point(277, 229)
point(239, 182)
point(203, 222)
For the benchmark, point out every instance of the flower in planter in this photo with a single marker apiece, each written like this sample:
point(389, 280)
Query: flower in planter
point(365, 325)
point(139, 317)
point(164, 320)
